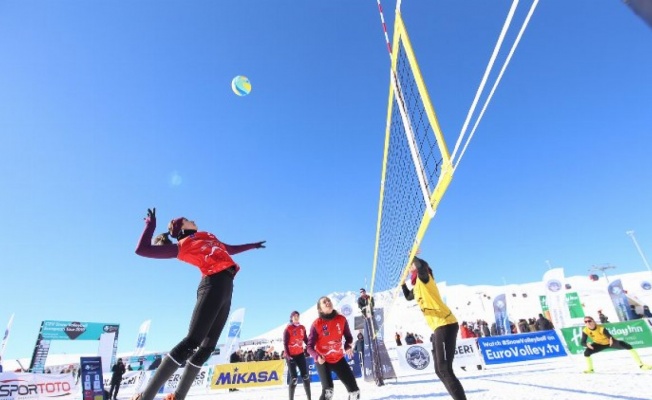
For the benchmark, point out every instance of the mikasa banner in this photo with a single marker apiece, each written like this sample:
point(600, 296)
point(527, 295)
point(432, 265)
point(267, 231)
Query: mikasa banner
point(417, 359)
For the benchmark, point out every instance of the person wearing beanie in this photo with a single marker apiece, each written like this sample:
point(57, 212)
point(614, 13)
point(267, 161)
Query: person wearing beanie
point(213, 258)
point(294, 338)
point(440, 319)
point(601, 339)
point(325, 347)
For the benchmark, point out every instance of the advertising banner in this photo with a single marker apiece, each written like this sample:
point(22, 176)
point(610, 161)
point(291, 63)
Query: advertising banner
point(620, 301)
point(131, 382)
point(199, 382)
point(574, 305)
point(555, 297)
point(500, 312)
point(522, 347)
point(417, 359)
point(91, 378)
point(142, 338)
point(24, 386)
point(637, 333)
point(354, 364)
point(249, 374)
point(105, 333)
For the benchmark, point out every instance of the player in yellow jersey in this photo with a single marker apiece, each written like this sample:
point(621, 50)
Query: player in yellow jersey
point(440, 319)
point(601, 339)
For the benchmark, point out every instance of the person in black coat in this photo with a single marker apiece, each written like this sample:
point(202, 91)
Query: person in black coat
point(116, 378)
point(366, 303)
point(543, 324)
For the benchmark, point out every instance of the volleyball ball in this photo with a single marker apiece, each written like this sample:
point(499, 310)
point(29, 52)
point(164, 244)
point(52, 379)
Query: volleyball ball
point(241, 85)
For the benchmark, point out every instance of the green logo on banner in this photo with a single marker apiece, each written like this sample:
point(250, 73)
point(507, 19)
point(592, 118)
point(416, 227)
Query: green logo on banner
point(637, 333)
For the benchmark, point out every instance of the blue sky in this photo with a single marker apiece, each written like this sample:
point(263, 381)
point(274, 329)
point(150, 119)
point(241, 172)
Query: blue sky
point(108, 108)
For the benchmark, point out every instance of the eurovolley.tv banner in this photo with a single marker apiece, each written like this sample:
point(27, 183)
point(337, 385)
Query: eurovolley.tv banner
point(522, 347)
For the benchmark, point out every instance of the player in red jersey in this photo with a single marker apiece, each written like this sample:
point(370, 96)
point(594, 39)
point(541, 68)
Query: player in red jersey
point(294, 338)
point(325, 347)
point(213, 258)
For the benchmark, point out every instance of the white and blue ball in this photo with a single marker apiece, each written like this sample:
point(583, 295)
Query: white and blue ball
point(241, 85)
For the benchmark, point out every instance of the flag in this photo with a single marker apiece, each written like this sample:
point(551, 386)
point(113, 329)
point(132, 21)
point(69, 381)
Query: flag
point(5, 338)
point(619, 300)
point(233, 337)
point(142, 338)
point(555, 298)
point(502, 319)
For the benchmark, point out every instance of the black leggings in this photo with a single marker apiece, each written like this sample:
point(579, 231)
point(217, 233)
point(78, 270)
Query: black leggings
point(208, 319)
point(298, 361)
point(617, 344)
point(443, 351)
point(343, 372)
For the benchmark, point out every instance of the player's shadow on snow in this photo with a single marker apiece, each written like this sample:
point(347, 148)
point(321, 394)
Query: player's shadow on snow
point(427, 395)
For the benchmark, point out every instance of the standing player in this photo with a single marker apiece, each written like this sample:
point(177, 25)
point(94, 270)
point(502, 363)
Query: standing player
point(440, 319)
point(213, 258)
point(601, 339)
point(294, 338)
point(325, 347)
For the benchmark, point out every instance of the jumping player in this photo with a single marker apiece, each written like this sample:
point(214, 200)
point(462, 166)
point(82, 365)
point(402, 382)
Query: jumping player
point(213, 258)
point(440, 319)
point(325, 347)
point(294, 338)
point(601, 339)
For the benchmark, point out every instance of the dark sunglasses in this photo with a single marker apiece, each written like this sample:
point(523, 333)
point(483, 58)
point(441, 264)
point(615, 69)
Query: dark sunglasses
point(588, 320)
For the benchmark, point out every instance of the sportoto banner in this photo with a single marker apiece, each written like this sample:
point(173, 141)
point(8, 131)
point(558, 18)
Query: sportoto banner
point(637, 333)
point(521, 347)
point(24, 386)
point(249, 374)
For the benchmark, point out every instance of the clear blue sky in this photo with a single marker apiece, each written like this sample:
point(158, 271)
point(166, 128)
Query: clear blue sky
point(110, 107)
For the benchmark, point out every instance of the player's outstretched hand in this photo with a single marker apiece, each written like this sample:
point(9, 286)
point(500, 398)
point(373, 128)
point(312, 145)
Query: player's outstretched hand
point(260, 245)
point(151, 214)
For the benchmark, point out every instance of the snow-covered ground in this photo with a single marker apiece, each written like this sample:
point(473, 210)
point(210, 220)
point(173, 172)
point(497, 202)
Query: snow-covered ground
point(616, 378)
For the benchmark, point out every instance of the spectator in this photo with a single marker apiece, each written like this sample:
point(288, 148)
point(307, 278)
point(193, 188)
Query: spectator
point(366, 304)
point(410, 339)
point(398, 339)
point(634, 313)
point(116, 379)
point(522, 326)
point(485, 329)
point(465, 332)
point(359, 344)
point(646, 312)
point(543, 324)
point(603, 318)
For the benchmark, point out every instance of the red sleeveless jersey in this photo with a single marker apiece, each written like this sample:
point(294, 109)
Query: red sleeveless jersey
point(295, 337)
point(329, 338)
point(206, 252)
